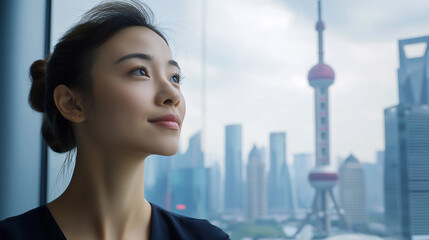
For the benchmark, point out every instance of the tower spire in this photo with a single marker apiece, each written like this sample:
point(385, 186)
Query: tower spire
point(320, 26)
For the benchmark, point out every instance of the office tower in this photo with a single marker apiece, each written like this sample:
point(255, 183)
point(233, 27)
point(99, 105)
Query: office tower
point(188, 187)
point(413, 77)
point(188, 182)
point(302, 164)
point(214, 190)
point(157, 169)
point(323, 177)
point(374, 185)
point(406, 170)
point(256, 190)
point(280, 198)
point(194, 156)
point(406, 162)
point(233, 198)
point(352, 193)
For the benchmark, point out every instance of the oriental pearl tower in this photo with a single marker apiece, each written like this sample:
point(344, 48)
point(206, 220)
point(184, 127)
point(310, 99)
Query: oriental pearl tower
point(323, 177)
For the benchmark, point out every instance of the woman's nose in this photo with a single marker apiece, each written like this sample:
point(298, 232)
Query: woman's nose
point(168, 94)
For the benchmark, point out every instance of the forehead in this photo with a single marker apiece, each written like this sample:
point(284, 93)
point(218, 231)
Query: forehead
point(135, 39)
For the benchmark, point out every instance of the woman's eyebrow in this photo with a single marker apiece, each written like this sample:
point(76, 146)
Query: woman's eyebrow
point(174, 63)
point(134, 55)
point(145, 57)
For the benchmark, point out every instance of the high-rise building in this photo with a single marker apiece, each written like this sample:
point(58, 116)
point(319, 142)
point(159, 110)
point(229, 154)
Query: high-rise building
point(280, 198)
point(374, 185)
point(406, 164)
point(256, 190)
point(214, 190)
point(188, 181)
point(157, 169)
point(302, 165)
point(352, 193)
point(194, 156)
point(406, 170)
point(233, 198)
point(188, 187)
point(413, 77)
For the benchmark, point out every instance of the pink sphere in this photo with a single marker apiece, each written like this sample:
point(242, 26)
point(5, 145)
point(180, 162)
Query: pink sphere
point(323, 177)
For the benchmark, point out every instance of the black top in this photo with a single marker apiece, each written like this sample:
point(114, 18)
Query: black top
point(39, 223)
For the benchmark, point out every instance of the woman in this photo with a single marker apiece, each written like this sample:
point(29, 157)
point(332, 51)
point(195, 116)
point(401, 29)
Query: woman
point(111, 90)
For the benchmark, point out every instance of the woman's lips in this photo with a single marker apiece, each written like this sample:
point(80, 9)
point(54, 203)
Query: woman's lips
point(170, 121)
point(167, 124)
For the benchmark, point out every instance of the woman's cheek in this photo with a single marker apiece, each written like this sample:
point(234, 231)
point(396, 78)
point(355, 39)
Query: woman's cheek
point(124, 109)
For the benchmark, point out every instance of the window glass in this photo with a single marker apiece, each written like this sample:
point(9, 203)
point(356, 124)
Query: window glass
point(247, 144)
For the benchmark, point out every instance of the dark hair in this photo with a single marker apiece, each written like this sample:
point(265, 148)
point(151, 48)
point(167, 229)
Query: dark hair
point(71, 62)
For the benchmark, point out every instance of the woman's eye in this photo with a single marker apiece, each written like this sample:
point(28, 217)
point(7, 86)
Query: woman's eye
point(141, 71)
point(176, 78)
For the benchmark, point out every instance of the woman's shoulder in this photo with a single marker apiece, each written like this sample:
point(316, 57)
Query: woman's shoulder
point(33, 224)
point(169, 225)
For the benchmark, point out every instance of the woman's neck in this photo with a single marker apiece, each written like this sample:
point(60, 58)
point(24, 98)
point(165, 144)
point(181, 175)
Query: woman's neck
point(105, 197)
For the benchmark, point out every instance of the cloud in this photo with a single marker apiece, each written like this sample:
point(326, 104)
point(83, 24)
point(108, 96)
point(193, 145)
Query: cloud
point(258, 57)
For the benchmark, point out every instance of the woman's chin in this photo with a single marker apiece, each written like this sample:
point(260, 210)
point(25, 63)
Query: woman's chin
point(166, 150)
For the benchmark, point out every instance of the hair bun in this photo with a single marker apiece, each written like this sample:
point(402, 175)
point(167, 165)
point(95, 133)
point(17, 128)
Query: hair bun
point(37, 91)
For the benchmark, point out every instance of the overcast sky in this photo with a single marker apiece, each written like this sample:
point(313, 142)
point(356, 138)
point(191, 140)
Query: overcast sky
point(258, 57)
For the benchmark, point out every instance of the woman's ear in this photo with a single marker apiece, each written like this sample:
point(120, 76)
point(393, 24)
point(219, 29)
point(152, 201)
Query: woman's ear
point(69, 103)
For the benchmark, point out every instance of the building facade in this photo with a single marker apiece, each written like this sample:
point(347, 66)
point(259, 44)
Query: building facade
point(352, 193)
point(406, 163)
point(256, 186)
point(302, 165)
point(233, 197)
point(406, 170)
point(280, 198)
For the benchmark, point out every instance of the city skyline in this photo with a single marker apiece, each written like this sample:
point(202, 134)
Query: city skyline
point(362, 46)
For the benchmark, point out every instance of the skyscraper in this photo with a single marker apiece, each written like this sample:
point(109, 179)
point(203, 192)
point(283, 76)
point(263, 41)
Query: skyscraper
point(188, 182)
point(280, 198)
point(194, 156)
point(406, 165)
point(413, 77)
point(406, 170)
point(188, 187)
point(256, 190)
point(233, 170)
point(214, 190)
point(302, 164)
point(157, 169)
point(374, 186)
point(352, 193)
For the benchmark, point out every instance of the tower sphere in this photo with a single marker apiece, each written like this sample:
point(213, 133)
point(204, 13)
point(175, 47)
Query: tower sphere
point(323, 177)
point(321, 71)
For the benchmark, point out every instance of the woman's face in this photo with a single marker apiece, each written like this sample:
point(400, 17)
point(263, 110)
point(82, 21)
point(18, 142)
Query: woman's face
point(135, 80)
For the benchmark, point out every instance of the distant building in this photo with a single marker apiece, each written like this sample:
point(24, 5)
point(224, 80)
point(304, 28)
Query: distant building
point(214, 190)
point(157, 173)
point(280, 198)
point(302, 165)
point(256, 190)
point(194, 156)
point(406, 161)
point(374, 182)
point(233, 198)
point(188, 185)
point(352, 193)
